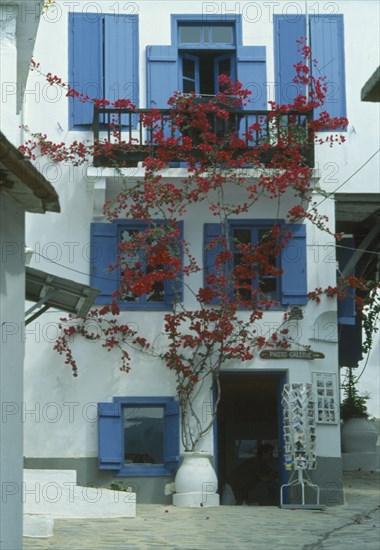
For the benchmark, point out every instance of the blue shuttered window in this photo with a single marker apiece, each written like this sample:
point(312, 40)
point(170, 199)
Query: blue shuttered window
point(327, 44)
point(115, 451)
point(293, 284)
point(103, 61)
point(105, 238)
point(164, 63)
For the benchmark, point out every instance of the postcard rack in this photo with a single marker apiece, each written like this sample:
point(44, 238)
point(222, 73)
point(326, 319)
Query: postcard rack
point(299, 442)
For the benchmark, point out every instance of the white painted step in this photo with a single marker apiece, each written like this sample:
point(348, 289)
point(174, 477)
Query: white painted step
point(55, 493)
point(38, 526)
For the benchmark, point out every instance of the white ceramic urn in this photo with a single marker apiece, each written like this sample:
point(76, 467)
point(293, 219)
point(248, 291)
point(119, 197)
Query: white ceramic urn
point(196, 482)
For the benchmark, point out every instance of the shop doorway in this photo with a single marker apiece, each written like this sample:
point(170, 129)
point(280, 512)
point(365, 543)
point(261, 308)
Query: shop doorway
point(250, 416)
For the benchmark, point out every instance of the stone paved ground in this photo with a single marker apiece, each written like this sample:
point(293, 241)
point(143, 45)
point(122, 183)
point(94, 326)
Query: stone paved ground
point(354, 525)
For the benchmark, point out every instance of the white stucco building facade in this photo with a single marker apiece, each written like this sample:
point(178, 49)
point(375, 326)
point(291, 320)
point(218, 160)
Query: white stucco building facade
point(60, 413)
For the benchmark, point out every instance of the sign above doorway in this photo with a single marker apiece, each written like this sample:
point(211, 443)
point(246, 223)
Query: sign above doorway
point(291, 354)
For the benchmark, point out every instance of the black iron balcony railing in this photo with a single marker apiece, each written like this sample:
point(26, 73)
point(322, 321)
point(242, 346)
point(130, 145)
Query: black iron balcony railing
point(122, 134)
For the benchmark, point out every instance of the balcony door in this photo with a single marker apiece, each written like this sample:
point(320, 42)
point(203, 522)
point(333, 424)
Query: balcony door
point(198, 53)
point(200, 71)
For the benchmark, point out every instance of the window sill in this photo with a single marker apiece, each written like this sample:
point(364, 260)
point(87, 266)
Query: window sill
point(148, 470)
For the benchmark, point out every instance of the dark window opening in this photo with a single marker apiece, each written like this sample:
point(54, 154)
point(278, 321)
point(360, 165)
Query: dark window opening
point(201, 69)
point(143, 435)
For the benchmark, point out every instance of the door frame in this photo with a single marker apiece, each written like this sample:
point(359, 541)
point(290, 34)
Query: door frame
point(283, 379)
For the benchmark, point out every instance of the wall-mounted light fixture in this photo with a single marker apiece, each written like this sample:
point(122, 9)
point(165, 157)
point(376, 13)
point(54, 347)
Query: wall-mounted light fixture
point(295, 314)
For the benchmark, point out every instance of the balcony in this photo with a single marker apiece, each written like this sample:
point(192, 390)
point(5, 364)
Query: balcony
point(122, 137)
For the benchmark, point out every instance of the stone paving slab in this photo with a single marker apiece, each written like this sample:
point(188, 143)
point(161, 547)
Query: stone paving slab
point(354, 525)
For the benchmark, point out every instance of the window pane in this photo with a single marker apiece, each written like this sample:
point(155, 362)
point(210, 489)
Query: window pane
point(144, 435)
point(224, 67)
point(188, 68)
point(222, 35)
point(190, 35)
point(188, 86)
point(242, 235)
point(158, 290)
point(207, 34)
point(268, 286)
point(128, 261)
point(265, 236)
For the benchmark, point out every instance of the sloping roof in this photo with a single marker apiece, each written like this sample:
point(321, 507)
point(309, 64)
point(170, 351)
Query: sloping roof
point(27, 16)
point(50, 291)
point(371, 89)
point(23, 182)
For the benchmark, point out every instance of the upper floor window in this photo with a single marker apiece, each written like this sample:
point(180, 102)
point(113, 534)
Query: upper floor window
point(263, 283)
point(201, 50)
point(204, 54)
point(106, 239)
point(289, 288)
point(157, 295)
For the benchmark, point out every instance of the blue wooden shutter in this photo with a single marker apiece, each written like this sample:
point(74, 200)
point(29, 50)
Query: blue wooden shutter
point(110, 436)
point(171, 435)
point(85, 64)
point(211, 232)
point(287, 31)
point(251, 72)
point(162, 75)
point(293, 263)
point(103, 253)
point(327, 46)
point(121, 59)
point(174, 287)
point(218, 68)
point(346, 307)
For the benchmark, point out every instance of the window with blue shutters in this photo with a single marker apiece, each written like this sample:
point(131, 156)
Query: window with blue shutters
point(288, 289)
point(139, 436)
point(253, 234)
point(199, 52)
point(327, 45)
point(103, 61)
point(106, 239)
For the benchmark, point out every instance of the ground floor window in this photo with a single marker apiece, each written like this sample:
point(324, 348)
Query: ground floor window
point(139, 436)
